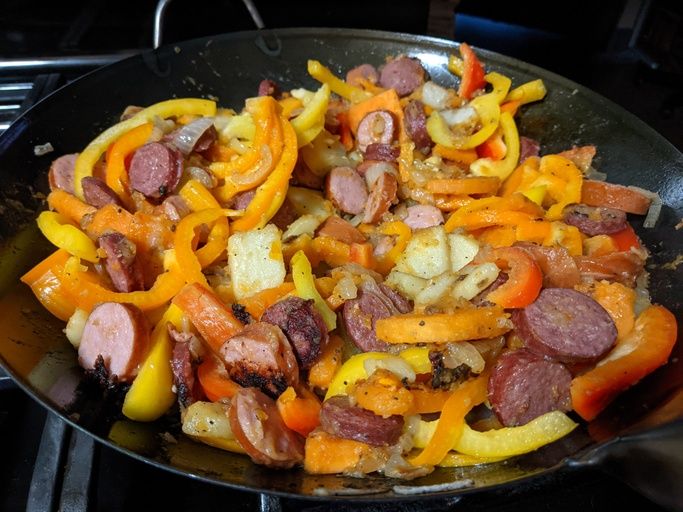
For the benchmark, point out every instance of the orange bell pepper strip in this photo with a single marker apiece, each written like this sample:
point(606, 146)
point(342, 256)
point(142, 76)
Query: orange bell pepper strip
point(187, 260)
point(300, 413)
point(561, 168)
point(490, 211)
point(487, 218)
point(362, 254)
point(643, 350)
point(626, 239)
point(461, 325)
point(497, 236)
point(85, 290)
point(216, 244)
point(403, 234)
point(447, 203)
point(619, 301)
point(533, 231)
point(271, 194)
point(116, 174)
point(428, 401)
point(46, 286)
point(345, 136)
point(472, 78)
point(213, 319)
point(460, 156)
point(452, 420)
point(524, 278)
point(511, 107)
point(565, 236)
point(214, 379)
point(69, 205)
point(197, 196)
point(522, 177)
point(332, 251)
point(464, 186)
point(258, 302)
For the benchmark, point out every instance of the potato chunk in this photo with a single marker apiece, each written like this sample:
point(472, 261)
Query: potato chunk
point(427, 254)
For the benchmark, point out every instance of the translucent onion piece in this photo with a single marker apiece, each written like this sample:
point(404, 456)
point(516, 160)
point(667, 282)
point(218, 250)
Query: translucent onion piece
point(187, 137)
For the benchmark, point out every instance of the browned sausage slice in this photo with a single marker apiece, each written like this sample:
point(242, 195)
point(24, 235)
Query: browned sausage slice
point(376, 127)
point(380, 199)
point(404, 74)
point(381, 152)
point(155, 170)
point(261, 356)
point(338, 417)
point(259, 429)
point(566, 325)
point(183, 366)
point(242, 199)
point(594, 220)
point(559, 268)
point(524, 386)
point(118, 333)
point(97, 193)
point(173, 208)
point(623, 266)
point(364, 71)
point(303, 325)
point(346, 189)
point(415, 120)
point(61, 173)
point(121, 263)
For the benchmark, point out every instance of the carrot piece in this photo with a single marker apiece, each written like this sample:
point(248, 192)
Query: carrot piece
point(300, 413)
point(57, 258)
point(324, 369)
point(331, 251)
point(387, 100)
point(626, 239)
point(69, 205)
point(460, 156)
point(494, 147)
point(214, 321)
point(598, 193)
point(642, 351)
point(327, 454)
point(619, 301)
point(214, 379)
point(462, 324)
point(464, 186)
point(362, 254)
point(257, 303)
point(383, 393)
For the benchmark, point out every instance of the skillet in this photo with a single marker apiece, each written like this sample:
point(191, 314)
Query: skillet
point(640, 437)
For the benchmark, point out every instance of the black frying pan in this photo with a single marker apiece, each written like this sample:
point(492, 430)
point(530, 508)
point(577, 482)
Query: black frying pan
point(640, 436)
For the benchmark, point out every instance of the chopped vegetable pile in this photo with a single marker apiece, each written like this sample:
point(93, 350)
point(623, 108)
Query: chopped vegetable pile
point(378, 275)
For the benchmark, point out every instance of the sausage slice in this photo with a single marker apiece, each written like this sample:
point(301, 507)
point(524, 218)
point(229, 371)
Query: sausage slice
point(259, 429)
point(97, 193)
point(415, 119)
point(566, 325)
point(524, 385)
point(155, 170)
point(380, 199)
point(121, 263)
point(346, 189)
point(61, 173)
point(595, 220)
point(338, 417)
point(404, 74)
point(261, 356)
point(120, 335)
point(376, 127)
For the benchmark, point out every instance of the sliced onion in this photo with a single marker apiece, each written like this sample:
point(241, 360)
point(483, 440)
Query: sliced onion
point(434, 95)
point(346, 288)
point(463, 352)
point(374, 171)
point(593, 174)
point(655, 206)
point(201, 175)
point(460, 117)
point(187, 137)
point(394, 364)
point(306, 224)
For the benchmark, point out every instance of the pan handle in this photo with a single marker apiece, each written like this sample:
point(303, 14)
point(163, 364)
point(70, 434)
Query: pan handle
point(651, 462)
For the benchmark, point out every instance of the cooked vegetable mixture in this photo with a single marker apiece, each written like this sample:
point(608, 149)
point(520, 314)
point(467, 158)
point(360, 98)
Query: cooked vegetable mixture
point(378, 275)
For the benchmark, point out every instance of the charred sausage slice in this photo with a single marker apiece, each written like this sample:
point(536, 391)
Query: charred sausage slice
point(97, 193)
point(566, 325)
point(403, 74)
point(61, 173)
point(183, 365)
point(346, 189)
point(121, 263)
point(119, 334)
point(261, 356)
point(376, 127)
point(338, 417)
point(524, 385)
point(155, 170)
point(259, 429)
point(303, 325)
point(594, 220)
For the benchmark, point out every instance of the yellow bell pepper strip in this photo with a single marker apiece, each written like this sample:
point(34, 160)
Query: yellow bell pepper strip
point(471, 72)
point(639, 353)
point(183, 244)
point(526, 93)
point(555, 166)
point(216, 243)
point(501, 86)
point(452, 420)
point(86, 160)
point(86, 292)
point(460, 460)
point(403, 234)
point(488, 111)
point(354, 370)
point(336, 85)
point(405, 160)
point(151, 393)
point(455, 65)
point(69, 205)
point(116, 174)
point(565, 236)
point(302, 274)
point(57, 229)
point(491, 211)
point(271, 194)
point(501, 168)
point(536, 194)
point(311, 121)
point(288, 106)
point(461, 325)
point(47, 288)
point(197, 196)
point(507, 441)
point(522, 177)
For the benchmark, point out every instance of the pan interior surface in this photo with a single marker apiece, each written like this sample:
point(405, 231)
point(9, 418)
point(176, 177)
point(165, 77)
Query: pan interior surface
point(228, 68)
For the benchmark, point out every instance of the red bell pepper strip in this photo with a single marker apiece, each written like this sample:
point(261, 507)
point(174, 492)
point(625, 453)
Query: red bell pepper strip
point(626, 238)
point(472, 74)
point(524, 278)
point(646, 348)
